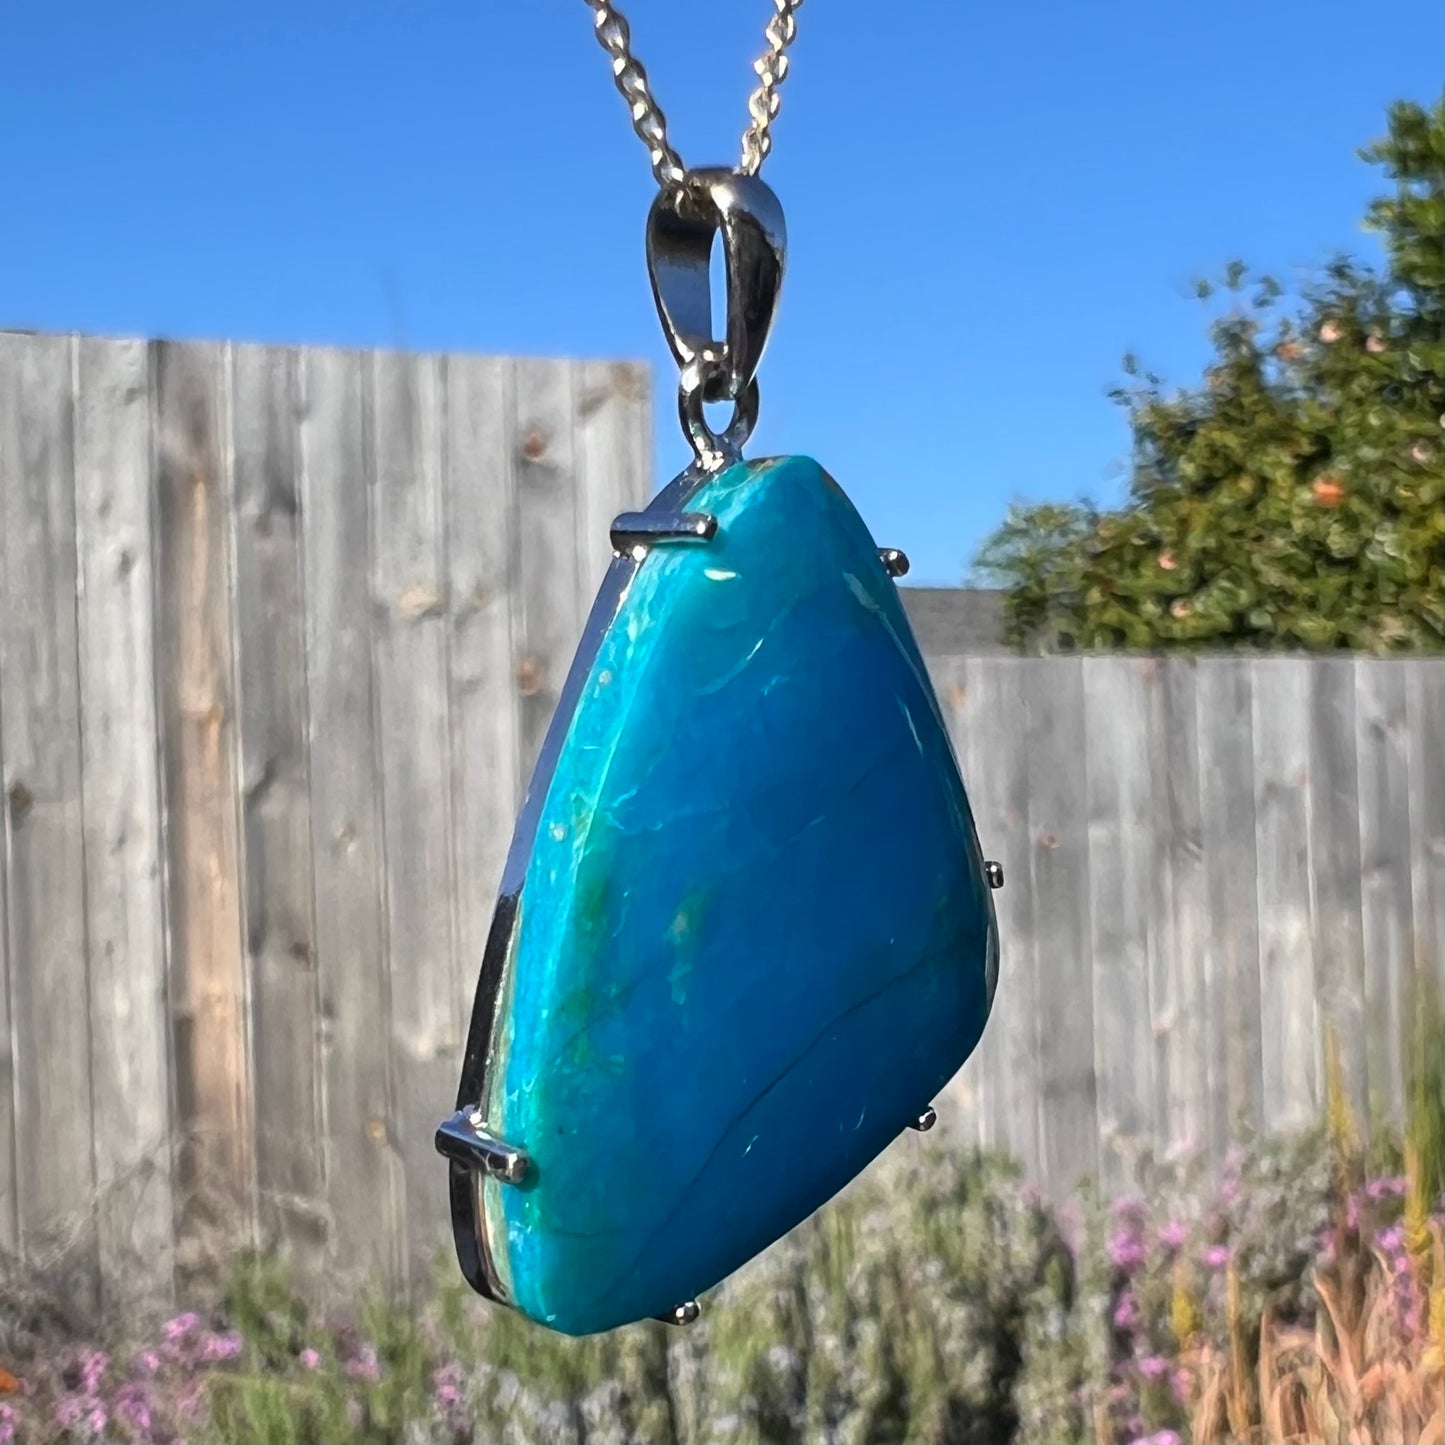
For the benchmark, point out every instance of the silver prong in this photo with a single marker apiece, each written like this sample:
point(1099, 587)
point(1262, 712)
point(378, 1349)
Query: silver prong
point(632, 530)
point(894, 561)
point(464, 1138)
point(925, 1121)
point(993, 872)
point(684, 1314)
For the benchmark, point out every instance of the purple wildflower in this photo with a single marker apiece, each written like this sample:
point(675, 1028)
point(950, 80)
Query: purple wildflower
point(68, 1411)
point(1216, 1256)
point(1153, 1367)
point(148, 1362)
point(1352, 1211)
point(364, 1366)
point(92, 1369)
point(1126, 1249)
point(1164, 1437)
point(221, 1347)
point(1173, 1233)
point(98, 1418)
point(9, 1418)
point(1392, 1241)
point(1181, 1386)
point(181, 1326)
point(309, 1359)
point(1126, 1312)
point(132, 1407)
point(1129, 1208)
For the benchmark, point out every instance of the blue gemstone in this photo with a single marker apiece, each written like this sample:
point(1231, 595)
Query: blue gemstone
point(754, 935)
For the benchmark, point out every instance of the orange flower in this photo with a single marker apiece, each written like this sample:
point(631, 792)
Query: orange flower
point(8, 1383)
point(1180, 608)
point(1374, 345)
point(1420, 452)
point(1331, 332)
point(1328, 492)
point(1289, 351)
point(1167, 562)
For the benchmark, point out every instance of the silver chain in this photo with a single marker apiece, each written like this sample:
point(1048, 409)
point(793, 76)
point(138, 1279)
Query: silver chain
point(614, 36)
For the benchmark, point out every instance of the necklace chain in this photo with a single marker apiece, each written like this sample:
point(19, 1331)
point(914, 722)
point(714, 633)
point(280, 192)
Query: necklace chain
point(771, 67)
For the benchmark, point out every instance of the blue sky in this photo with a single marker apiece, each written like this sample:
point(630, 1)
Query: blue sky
point(987, 204)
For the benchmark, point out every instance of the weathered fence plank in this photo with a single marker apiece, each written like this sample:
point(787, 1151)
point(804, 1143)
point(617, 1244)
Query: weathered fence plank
point(1179, 963)
point(548, 607)
point(479, 503)
point(44, 830)
point(1288, 1008)
point(194, 660)
point(967, 1108)
point(989, 717)
point(1386, 907)
point(1334, 863)
point(276, 871)
point(365, 1186)
point(124, 900)
point(612, 446)
point(9, 1166)
point(1121, 861)
point(1234, 1037)
point(1427, 814)
point(1053, 698)
point(410, 603)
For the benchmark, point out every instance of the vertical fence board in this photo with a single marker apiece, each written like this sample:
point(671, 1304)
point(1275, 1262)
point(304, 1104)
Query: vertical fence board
point(1181, 986)
point(1234, 1039)
point(410, 604)
point(45, 872)
point(9, 1081)
point(1427, 814)
point(1335, 864)
point(208, 987)
point(125, 905)
point(612, 438)
point(990, 719)
point(364, 1182)
point(480, 510)
point(549, 607)
point(1053, 696)
point(1426, 704)
point(276, 883)
point(966, 1107)
point(1386, 907)
point(1121, 860)
point(1288, 1012)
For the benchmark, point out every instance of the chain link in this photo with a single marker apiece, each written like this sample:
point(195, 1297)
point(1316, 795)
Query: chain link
point(771, 67)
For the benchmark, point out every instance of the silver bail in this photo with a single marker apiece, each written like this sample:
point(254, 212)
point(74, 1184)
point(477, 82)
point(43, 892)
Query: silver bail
point(680, 229)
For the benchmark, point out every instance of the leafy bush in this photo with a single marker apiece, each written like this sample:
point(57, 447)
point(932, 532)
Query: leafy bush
point(1291, 500)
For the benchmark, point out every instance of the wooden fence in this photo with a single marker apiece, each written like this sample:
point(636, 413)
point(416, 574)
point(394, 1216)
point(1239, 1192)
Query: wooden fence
point(280, 632)
point(1217, 872)
point(279, 635)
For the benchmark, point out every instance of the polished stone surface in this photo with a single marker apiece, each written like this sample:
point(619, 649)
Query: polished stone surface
point(754, 936)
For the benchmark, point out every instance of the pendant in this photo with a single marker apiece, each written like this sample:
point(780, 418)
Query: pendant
point(745, 931)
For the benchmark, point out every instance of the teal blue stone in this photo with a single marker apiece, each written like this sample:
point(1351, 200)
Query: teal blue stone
point(754, 936)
